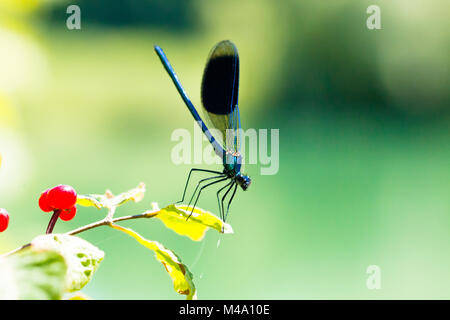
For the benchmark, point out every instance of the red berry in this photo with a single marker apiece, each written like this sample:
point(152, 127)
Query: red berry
point(68, 214)
point(62, 197)
point(43, 202)
point(4, 219)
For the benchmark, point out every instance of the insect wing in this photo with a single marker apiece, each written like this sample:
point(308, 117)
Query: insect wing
point(219, 93)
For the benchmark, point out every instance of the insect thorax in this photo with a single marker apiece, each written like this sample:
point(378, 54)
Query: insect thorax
point(232, 163)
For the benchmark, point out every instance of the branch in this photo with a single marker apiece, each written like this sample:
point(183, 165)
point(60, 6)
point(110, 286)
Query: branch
point(103, 222)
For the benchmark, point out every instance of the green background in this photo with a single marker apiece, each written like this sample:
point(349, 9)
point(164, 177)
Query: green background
point(363, 115)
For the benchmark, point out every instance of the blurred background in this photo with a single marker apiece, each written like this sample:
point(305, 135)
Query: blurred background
point(364, 119)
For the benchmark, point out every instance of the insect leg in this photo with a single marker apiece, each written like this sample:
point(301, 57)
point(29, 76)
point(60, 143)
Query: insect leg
point(200, 182)
point(218, 200)
point(189, 177)
point(200, 191)
point(229, 202)
point(223, 199)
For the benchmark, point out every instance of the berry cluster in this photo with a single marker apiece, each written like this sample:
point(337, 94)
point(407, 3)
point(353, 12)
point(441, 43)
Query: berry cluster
point(4, 219)
point(62, 198)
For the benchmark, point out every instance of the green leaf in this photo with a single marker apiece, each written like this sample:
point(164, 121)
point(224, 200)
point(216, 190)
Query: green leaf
point(32, 275)
point(180, 274)
point(82, 258)
point(176, 218)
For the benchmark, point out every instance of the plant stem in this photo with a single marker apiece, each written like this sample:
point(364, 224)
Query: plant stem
point(106, 222)
point(52, 222)
point(103, 222)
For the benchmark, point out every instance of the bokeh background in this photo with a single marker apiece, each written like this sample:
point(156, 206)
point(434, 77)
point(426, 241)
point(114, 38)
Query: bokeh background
point(364, 119)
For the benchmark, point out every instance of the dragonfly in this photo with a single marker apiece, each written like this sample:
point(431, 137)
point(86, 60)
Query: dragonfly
point(219, 96)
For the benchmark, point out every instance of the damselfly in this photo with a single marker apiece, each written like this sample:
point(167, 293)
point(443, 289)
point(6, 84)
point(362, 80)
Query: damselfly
point(219, 93)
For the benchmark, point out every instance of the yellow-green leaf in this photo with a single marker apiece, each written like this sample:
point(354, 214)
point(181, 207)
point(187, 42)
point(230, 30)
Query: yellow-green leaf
point(78, 296)
point(176, 218)
point(136, 195)
point(108, 200)
point(180, 274)
point(82, 258)
point(32, 275)
point(88, 201)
